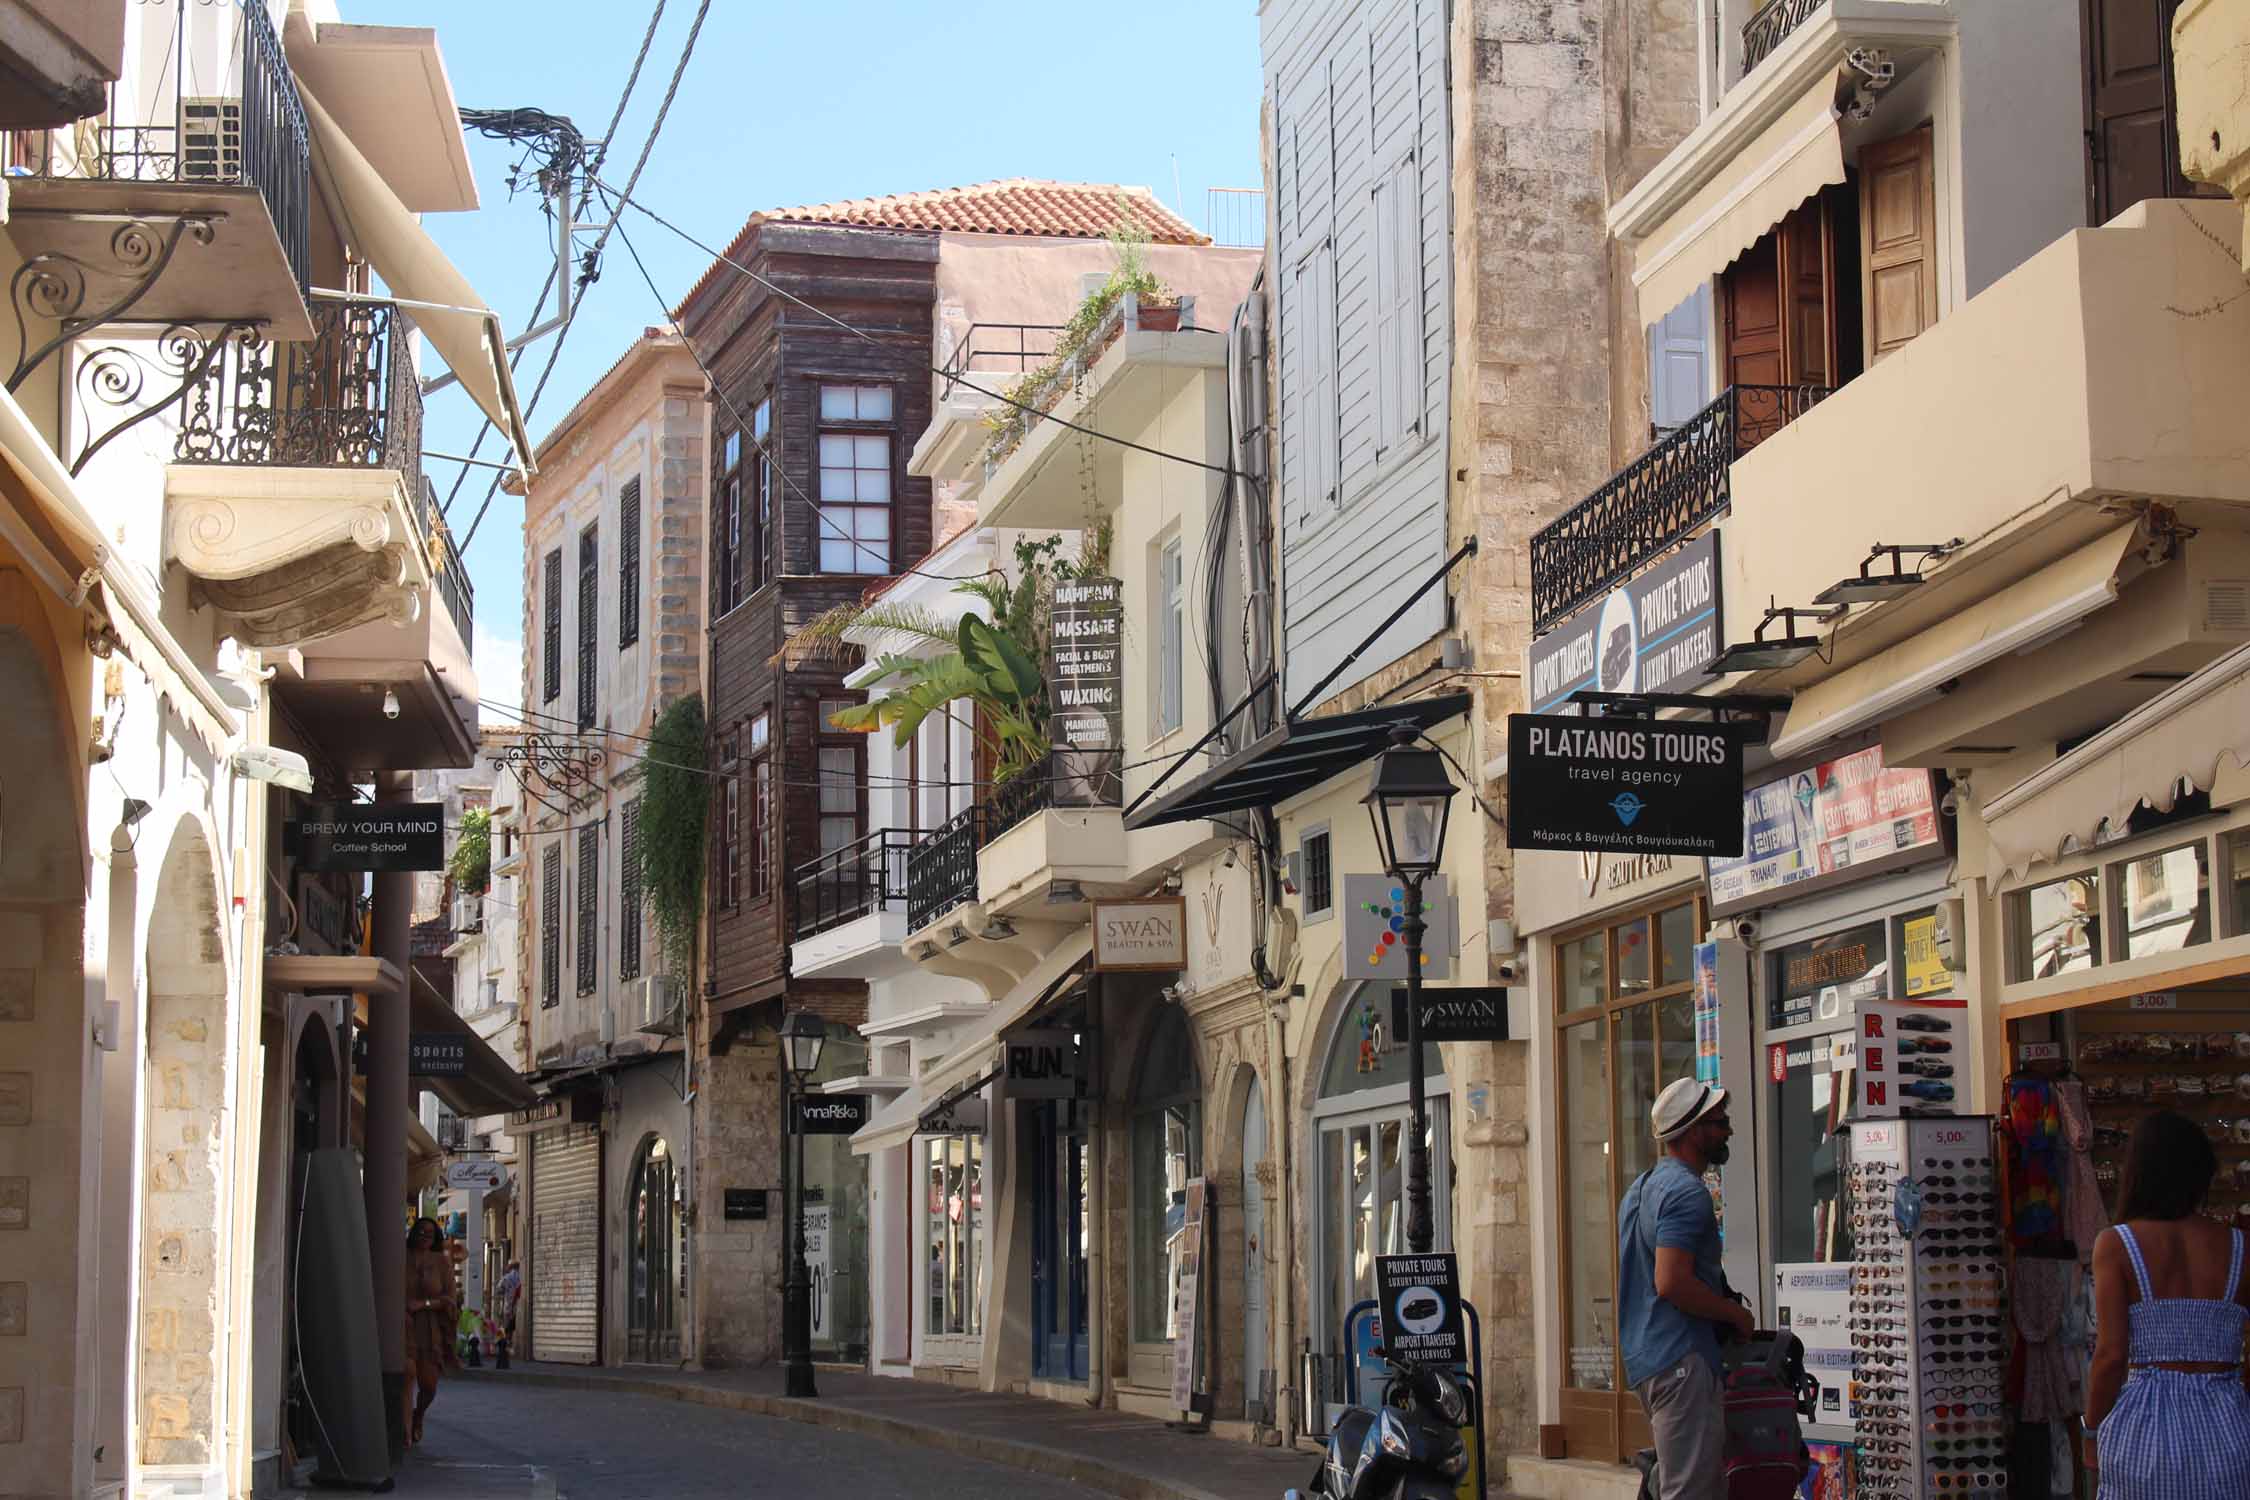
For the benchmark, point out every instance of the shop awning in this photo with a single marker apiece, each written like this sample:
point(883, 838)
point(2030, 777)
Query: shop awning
point(1293, 759)
point(2052, 599)
point(465, 332)
point(1790, 160)
point(489, 1085)
point(979, 1050)
point(425, 1159)
point(48, 524)
point(2181, 734)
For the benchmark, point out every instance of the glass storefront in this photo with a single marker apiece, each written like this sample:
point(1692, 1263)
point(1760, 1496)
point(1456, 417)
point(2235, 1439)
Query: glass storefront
point(1625, 1027)
point(1060, 1227)
point(953, 1213)
point(835, 1207)
point(1167, 1150)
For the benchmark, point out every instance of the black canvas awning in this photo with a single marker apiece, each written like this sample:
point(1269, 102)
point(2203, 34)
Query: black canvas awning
point(1295, 758)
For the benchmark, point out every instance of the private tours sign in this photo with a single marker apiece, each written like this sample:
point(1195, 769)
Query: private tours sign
point(1656, 631)
point(1086, 690)
point(1628, 786)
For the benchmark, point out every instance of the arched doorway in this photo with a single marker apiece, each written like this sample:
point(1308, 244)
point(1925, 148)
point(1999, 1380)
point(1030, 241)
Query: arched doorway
point(184, 1093)
point(1360, 1127)
point(1257, 1338)
point(1167, 1152)
point(655, 1255)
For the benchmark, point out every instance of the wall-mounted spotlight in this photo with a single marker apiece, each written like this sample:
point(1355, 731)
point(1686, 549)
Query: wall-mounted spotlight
point(390, 703)
point(1872, 587)
point(1760, 654)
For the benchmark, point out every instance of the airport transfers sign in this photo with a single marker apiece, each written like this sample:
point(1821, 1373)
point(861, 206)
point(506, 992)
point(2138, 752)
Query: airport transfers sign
point(1655, 632)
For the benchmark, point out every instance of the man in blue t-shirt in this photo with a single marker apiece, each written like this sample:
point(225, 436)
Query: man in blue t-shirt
point(1672, 1300)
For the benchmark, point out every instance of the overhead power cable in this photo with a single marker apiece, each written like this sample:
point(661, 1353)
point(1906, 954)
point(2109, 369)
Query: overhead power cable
point(625, 196)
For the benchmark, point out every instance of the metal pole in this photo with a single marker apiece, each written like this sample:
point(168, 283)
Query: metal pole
point(389, 1106)
point(1420, 1231)
point(796, 1293)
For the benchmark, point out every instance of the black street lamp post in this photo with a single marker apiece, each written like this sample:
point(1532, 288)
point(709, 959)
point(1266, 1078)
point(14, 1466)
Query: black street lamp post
point(1409, 803)
point(801, 1036)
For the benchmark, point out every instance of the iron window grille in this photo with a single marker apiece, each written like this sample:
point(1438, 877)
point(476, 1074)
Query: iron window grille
point(589, 892)
point(550, 930)
point(550, 604)
point(1320, 889)
point(629, 892)
point(629, 563)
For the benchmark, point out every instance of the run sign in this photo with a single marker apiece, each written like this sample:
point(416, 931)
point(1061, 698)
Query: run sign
point(1632, 786)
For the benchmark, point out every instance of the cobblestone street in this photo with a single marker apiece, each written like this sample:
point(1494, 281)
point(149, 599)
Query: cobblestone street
point(488, 1440)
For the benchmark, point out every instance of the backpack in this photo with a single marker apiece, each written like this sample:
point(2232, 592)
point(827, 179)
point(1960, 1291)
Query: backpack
point(1764, 1381)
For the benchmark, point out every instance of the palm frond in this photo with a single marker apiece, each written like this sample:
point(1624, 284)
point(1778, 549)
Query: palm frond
point(823, 636)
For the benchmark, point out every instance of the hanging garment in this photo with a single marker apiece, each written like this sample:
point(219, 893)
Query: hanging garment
point(2036, 1161)
point(2084, 1215)
point(2042, 1293)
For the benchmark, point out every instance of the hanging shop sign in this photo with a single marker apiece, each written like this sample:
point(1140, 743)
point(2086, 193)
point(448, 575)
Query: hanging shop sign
point(739, 1205)
point(1824, 978)
point(1656, 631)
point(1456, 1013)
point(545, 1115)
point(384, 836)
point(1042, 1065)
point(1086, 690)
point(1707, 993)
point(437, 1054)
point(1187, 1297)
point(1913, 1058)
point(1375, 928)
point(1630, 786)
point(1842, 818)
point(965, 1115)
point(1146, 935)
point(828, 1114)
point(483, 1175)
point(1418, 1299)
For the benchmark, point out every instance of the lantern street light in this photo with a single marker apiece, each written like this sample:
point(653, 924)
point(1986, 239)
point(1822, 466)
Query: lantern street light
point(1409, 803)
point(802, 1034)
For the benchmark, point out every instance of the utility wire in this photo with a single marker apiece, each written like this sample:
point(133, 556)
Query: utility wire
point(593, 256)
point(1029, 410)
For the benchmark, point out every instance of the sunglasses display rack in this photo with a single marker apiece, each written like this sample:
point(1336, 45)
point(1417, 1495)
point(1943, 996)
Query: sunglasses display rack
point(1929, 1341)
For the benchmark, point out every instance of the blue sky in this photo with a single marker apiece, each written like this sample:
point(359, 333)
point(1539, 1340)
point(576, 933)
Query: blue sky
point(787, 102)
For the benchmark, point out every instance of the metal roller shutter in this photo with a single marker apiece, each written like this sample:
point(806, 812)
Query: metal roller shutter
point(566, 1245)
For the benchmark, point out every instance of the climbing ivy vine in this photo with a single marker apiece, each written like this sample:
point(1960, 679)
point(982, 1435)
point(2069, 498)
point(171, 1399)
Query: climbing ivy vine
point(675, 813)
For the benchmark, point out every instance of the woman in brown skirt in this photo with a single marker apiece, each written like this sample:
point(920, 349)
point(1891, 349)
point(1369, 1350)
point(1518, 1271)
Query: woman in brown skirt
point(432, 1316)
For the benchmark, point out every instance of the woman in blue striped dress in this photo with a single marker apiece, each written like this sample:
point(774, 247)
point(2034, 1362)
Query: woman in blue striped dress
point(2165, 1396)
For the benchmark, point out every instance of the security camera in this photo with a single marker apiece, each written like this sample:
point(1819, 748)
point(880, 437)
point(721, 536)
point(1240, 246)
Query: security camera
point(1508, 970)
point(283, 768)
point(1738, 929)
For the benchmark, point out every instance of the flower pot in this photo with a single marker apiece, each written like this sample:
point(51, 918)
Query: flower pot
point(1164, 319)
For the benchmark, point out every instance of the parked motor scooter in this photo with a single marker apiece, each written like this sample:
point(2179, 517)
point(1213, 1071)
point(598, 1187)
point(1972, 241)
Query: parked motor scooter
point(1409, 1448)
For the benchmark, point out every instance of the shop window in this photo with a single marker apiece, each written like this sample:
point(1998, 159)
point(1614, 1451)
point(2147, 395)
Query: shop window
point(2055, 928)
point(1825, 978)
point(1318, 871)
point(2164, 901)
point(1808, 1094)
point(1626, 1029)
point(954, 1207)
point(2238, 879)
point(1167, 1152)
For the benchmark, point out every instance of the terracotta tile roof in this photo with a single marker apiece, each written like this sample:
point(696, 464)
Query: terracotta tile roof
point(1009, 205)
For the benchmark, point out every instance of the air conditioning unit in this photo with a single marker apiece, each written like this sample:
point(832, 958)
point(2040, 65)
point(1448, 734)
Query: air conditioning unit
point(654, 1004)
point(211, 140)
point(468, 913)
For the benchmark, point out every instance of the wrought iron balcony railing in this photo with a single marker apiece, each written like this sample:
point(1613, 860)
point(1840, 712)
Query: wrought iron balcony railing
point(846, 884)
point(1001, 351)
point(1677, 485)
point(1028, 791)
point(941, 870)
point(1771, 26)
point(192, 128)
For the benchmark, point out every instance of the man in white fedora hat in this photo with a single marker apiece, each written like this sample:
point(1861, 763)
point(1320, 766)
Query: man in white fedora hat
point(1672, 1298)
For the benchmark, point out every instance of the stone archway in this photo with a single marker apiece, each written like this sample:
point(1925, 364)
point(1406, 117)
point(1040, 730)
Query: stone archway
point(185, 1091)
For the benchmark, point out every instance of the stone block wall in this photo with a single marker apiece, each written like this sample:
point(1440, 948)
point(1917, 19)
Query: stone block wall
point(737, 1265)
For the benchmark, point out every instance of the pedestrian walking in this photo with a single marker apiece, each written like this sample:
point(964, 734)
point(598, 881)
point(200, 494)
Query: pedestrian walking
point(510, 1291)
point(432, 1316)
point(2165, 1396)
point(1672, 1298)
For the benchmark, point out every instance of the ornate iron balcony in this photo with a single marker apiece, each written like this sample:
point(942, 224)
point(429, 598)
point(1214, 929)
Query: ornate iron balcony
point(1656, 500)
point(242, 131)
point(995, 355)
point(1771, 26)
point(1028, 791)
point(941, 870)
point(846, 884)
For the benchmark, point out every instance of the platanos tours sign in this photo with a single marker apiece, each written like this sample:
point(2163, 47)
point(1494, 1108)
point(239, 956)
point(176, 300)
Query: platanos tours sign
point(1626, 786)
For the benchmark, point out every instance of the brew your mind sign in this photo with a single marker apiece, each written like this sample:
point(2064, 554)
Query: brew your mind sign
point(1632, 786)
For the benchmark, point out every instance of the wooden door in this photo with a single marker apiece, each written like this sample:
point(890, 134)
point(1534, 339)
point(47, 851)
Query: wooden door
point(2132, 127)
point(1752, 293)
point(1807, 296)
point(1898, 240)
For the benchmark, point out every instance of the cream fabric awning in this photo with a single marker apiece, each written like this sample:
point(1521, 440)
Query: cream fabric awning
point(1791, 159)
point(2058, 595)
point(444, 306)
point(2183, 733)
point(47, 521)
point(979, 1050)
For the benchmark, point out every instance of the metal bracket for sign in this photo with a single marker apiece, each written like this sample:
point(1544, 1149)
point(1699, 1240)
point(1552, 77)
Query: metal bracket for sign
point(1372, 1399)
point(1755, 709)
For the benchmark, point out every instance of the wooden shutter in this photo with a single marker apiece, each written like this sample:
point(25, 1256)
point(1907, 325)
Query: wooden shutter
point(1808, 300)
point(629, 892)
point(1679, 371)
point(550, 929)
point(1898, 234)
point(1398, 292)
point(1752, 287)
point(589, 895)
point(629, 563)
point(589, 623)
point(2132, 122)
point(550, 587)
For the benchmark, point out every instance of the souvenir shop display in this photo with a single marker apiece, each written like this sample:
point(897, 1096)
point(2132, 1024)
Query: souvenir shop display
point(1930, 1337)
point(2195, 1063)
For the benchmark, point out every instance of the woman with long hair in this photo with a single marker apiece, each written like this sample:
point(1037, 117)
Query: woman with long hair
point(432, 1317)
point(2165, 1395)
